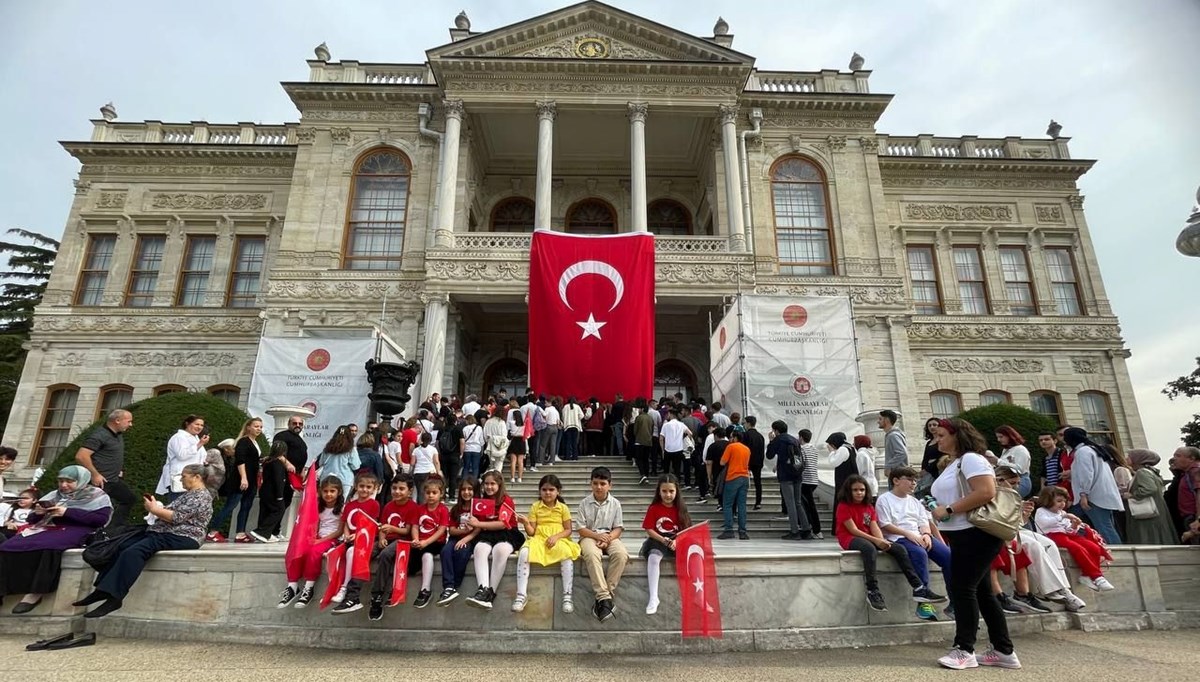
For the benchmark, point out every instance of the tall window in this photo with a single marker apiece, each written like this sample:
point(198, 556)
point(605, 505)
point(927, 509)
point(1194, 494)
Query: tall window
point(226, 392)
point(378, 209)
point(514, 214)
point(592, 216)
point(922, 270)
point(167, 389)
point(246, 277)
point(667, 217)
point(673, 376)
point(144, 275)
point(945, 404)
point(96, 265)
point(197, 265)
point(112, 397)
point(1018, 286)
point(802, 220)
point(1097, 417)
point(968, 270)
point(1063, 283)
point(1047, 404)
point(994, 398)
point(55, 431)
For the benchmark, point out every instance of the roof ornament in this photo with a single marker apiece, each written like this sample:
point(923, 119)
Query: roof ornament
point(322, 52)
point(721, 28)
point(108, 111)
point(856, 62)
point(462, 22)
point(1053, 129)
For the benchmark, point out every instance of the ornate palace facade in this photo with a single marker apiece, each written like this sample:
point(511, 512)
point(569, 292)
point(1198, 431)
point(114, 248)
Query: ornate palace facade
point(968, 261)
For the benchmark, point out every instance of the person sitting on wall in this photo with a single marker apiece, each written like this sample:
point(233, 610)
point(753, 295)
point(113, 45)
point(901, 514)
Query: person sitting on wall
point(906, 522)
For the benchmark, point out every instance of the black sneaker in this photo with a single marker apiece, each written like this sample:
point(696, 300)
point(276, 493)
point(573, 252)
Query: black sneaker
point(605, 612)
point(347, 606)
point(757, 507)
point(1032, 602)
point(306, 596)
point(875, 600)
point(286, 597)
point(727, 535)
point(480, 599)
point(743, 536)
point(422, 599)
point(790, 536)
point(376, 611)
point(926, 595)
point(596, 609)
point(448, 595)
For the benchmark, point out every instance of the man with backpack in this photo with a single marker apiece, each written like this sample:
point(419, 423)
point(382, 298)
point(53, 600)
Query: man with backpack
point(790, 472)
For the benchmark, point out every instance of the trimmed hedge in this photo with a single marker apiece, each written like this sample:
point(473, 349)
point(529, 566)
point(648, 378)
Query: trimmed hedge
point(155, 420)
point(1027, 423)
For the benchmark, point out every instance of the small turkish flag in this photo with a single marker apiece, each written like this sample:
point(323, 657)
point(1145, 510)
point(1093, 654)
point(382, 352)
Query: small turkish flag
point(483, 507)
point(400, 572)
point(335, 567)
point(700, 602)
point(591, 314)
point(364, 542)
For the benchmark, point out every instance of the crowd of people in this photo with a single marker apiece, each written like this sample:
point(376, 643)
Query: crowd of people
point(1078, 495)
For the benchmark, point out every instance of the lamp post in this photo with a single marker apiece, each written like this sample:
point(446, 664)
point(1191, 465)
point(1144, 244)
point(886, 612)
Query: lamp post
point(1188, 242)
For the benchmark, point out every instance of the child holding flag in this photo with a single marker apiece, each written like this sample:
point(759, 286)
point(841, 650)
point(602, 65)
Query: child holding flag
point(360, 518)
point(428, 536)
point(307, 559)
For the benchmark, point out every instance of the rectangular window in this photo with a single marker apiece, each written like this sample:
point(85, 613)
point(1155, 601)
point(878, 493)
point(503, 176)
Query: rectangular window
point(923, 273)
point(945, 404)
point(56, 424)
point(247, 271)
point(968, 270)
point(1018, 286)
point(1096, 418)
point(802, 229)
point(197, 266)
point(1063, 282)
point(96, 265)
point(1046, 404)
point(143, 278)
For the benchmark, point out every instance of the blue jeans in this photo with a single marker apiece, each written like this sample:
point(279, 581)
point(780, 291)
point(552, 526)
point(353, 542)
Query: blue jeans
point(471, 466)
point(735, 493)
point(618, 438)
point(1025, 486)
point(1102, 521)
point(220, 522)
point(571, 445)
point(119, 576)
point(248, 497)
point(454, 563)
point(920, 557)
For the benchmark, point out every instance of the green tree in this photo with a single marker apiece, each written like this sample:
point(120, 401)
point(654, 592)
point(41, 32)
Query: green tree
point(1187, 386)
point(24, 284)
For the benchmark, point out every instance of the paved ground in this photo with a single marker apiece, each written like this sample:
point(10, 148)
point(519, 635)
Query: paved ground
point(1064, 656)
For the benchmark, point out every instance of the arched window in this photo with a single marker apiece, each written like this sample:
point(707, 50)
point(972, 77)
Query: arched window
point(995, 398)
point(112, 397)
point(514, 214)
point(1048, 404)
point(55, 431)
point(169, 388)
point(378, 210)
point(1098, 417)
point(945, 404)
point(592, 216)
point(668, 218)
point(671, 377)
point(802, 219)
point(509, 374)
point(226, 392)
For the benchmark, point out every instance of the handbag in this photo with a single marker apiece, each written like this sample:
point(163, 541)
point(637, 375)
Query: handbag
point(103, 545)
point(1001, 516)
point(1143, 509)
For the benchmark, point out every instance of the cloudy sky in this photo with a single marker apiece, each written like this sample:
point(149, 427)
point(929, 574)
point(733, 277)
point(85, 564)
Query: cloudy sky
point(1121, 77)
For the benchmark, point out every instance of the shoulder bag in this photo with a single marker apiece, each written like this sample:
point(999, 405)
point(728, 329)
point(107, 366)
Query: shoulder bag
point(1001, 516)
point(1145, 508)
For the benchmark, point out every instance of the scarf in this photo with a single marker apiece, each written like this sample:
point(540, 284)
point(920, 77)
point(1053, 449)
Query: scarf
point(1076, 437)
point(86, 497)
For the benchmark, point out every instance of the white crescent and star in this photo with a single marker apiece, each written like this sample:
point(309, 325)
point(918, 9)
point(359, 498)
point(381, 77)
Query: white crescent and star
point(591, 267)
point(687, 560)
point(665, 525)
point(350, 518)
point(421, 523)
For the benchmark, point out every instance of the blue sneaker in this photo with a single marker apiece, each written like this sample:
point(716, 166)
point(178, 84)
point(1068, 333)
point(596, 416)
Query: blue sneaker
point(926, 611)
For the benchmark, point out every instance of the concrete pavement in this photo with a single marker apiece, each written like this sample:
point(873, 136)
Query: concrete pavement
point(1068, 655)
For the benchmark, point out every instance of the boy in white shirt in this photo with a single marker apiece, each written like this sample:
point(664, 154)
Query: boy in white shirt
point(904, 521)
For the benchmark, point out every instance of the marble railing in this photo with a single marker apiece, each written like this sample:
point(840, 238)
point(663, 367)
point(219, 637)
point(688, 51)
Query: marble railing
point(507, 241)
point(372, 74)
point(808, 81)
point(971, 147)
point(198, 132)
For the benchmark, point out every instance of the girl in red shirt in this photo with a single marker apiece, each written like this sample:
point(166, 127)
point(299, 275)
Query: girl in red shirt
point(428, 536)
point(665, 517)
point(857, 528)
point(496, 519)
point(363, 509)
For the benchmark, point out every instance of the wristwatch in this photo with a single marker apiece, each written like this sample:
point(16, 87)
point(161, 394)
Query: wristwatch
point(949, 510)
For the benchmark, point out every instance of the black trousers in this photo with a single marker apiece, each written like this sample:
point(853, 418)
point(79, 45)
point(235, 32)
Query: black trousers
point(641, 453)
point(870, 554)
point(270, 515)
point(756, 476)
point(451, 469)
point(807, 491)
point(970, 589)
point(673, 464)
point(123, 499)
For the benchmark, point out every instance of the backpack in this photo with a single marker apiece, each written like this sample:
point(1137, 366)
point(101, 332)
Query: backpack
point(539, 419)
point(795, 460)
point(446, 442)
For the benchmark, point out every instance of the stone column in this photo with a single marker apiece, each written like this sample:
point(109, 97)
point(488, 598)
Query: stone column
point(733, 176)
point(433, 359)
point(547, 111)
point(447, 197)
point(637, 165)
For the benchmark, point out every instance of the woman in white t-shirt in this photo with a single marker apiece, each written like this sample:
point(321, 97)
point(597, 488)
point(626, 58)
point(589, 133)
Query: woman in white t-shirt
point(425, 461)
point(1017, 454)
point(973, 550)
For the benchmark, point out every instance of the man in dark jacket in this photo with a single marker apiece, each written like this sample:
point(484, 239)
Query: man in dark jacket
point(787, 449)
point(754, 440)
point(297, 454)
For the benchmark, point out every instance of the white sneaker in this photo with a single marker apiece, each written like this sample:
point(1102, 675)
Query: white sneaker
point(275, 538)
point(1089, 583)
point(512, 481)
point(998, 660)
point(652, 608)
point(1104, 585)
point(518, 604)
point(1074, 603)
point(340, 596)
point(568, 605)
point(520, 480)
point(957, 659)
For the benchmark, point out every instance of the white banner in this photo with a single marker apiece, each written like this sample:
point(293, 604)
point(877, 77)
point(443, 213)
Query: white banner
point(326, 375)
point(800, 362)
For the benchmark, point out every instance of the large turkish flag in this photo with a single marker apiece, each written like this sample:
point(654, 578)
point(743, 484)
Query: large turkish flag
point(591, 315)
point(699, 600)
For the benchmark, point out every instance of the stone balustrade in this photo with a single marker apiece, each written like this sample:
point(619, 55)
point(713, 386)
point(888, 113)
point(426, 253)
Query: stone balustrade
point(196, 132)
point(372, 74)
point(501, 241)
point(972, 147)
point(828, 80)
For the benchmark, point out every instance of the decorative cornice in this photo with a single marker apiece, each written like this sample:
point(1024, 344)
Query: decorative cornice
point(894, 165)
point(92, 151)
point(308, 289)
point(187, 170)
point(1052, 330)
point(124, 321)
point(952, 365)
point(973, 181)
point(180, 201)
point(1085, 365)
point(961, 213)
point(175, 359)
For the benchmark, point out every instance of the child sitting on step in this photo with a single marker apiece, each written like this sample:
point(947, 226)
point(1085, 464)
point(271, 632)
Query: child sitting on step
point(495, 516)
point(665, 517)
point(329, 529)
point(428, 536)
point(461, 542)
point(362, 510)
point(1054, 522)
point(549, 529)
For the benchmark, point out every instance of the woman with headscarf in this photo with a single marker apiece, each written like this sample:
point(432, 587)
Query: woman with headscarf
point(179, 525)
point(1092, 483)
point(30, 562)
point(844, 460)
point(1148, 485)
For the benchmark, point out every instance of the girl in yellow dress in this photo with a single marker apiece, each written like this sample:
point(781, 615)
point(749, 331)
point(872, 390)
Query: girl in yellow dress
point(549, 529)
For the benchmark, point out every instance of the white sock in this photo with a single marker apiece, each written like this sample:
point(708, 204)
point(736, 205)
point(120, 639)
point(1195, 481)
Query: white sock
point(309, 584)
point(653, 569)
point(500, 554)
point(568, 576)
point(349, 569)
point(295, 584)
point(426, 571)
point(523, 572)
point(480, 557)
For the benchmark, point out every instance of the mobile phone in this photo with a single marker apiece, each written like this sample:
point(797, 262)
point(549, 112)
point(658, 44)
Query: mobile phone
point(45, 504)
